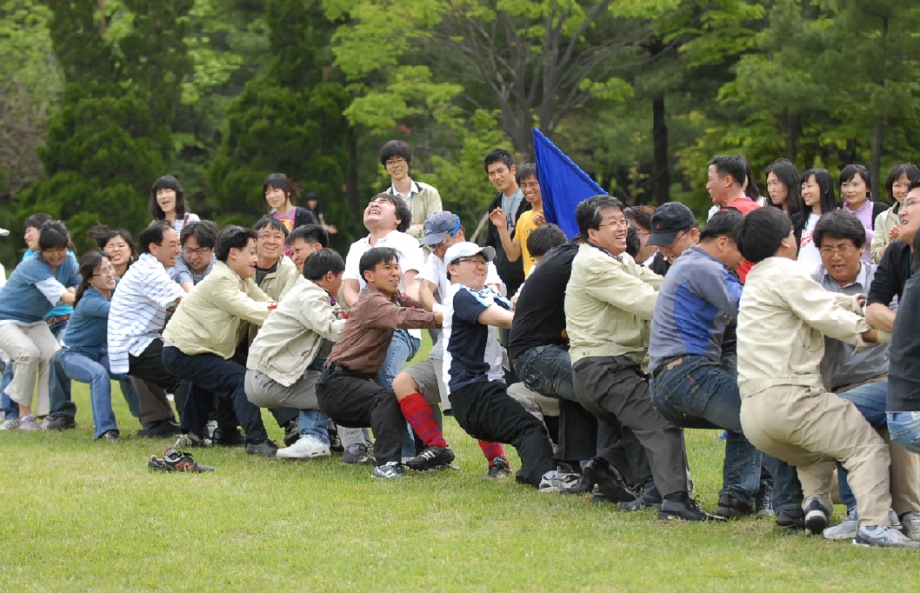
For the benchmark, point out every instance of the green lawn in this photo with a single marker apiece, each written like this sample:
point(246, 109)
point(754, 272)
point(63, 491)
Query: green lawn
point(88, 516)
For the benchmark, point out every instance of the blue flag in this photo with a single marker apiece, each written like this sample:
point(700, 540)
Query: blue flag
point(562, 184)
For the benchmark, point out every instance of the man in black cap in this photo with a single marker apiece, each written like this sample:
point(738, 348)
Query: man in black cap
point(674, 230)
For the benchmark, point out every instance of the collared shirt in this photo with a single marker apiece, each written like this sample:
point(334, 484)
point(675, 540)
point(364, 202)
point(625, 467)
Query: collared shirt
point(472, 354)
point(411, 257)
point(844, 365)
point(608, 305)
point(362, 347)
point(138, 310)
point(697, 300)
point(864, 214)
point(182, 273)
point(423, 201)
point(783, 318)
point(209, 320)
point(510, 205)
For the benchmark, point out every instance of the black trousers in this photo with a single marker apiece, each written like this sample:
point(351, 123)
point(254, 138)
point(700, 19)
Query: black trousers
point(149, 367)
point(356, 402)
point(486, 412)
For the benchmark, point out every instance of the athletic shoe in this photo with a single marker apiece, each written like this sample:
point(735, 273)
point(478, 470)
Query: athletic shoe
point(732, 508)
point(558, 481)
point(113, 436)
point(609, 480)
point(844, 530)
point(790, 520)
point(177, 461)
point(389, 470)
point(430, 458)
point(686, 509)
point(59, 422)
point(10, 424)
point(229, 437)
point(650, 499)
point(895, 521)
point(882, 536)
point(28, 423)
point(910, 525)
point(816, 516)
point(265, 448)
point(763, 502)
point(160, 429)
point(191, 439)
point(498, 469)
point(335, 443)
point(291, 432)
point(357, 455)
point(306, 447)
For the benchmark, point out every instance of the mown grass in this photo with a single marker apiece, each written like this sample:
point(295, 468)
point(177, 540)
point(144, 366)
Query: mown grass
point(79, 515)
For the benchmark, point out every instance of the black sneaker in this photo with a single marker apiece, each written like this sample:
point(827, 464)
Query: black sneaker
point(266, 448)
point(392, 469)
point(291, 432)
point(431, 458)
point(499, 469)
point(560, 482)
point(763, 503)
point(357, 455)
point(335, 443)
point(160, 429)
point(609, 480)
point(228, 437)
point(790, 520)
point(113, 436)
point(732, 508)
point(684, 509)
point(177, 461)
point(59, 422)
point(649, 499)
point(816, 516)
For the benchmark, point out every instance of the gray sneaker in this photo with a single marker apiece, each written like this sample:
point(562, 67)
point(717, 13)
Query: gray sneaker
point(882, 536)
point(28, 423)
point(390, 470)
point(10, 424)
point(357, 455)
point(910, 525)
point(561, 482)
point(845, 530)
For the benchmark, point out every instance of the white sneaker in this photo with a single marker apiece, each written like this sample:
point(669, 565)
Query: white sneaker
point(10, 424)
point(845, 530)
point(910, 524)
point(306, 447)
point(882, 536)
point(28, 423)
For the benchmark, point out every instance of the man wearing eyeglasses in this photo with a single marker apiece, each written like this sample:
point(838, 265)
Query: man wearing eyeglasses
point(196, 260)
point(422, 199)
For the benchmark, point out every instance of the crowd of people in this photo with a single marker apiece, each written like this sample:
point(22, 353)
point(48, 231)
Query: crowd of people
point(787, 324)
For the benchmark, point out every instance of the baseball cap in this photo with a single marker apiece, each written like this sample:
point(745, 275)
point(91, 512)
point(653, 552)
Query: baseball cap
point(668, 221)
point(467, 249)
point(439, 225)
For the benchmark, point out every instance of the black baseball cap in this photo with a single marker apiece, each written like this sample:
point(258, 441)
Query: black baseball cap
point(668, 221)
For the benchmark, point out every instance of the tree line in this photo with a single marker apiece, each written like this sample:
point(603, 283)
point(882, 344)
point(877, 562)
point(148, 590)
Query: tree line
point(98, 98)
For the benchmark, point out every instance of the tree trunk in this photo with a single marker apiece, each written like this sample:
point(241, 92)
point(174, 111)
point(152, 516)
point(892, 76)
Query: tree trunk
point(661, 187)
point(875, 166)
point(351, 176)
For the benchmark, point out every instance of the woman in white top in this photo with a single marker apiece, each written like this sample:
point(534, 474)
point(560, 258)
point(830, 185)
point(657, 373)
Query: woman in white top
point(167, 202)
point(819, 196)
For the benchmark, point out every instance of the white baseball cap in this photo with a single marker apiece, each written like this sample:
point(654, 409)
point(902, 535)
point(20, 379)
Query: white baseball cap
point(467, 249)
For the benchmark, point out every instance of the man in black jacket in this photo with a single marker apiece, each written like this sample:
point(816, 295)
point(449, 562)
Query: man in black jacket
point(499, 165)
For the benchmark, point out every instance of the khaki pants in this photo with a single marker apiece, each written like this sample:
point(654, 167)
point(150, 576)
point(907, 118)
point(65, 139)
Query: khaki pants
point(31, 348)
point(808, 427)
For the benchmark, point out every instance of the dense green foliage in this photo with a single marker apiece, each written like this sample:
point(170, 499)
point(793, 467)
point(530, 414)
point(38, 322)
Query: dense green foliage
point(100, 97)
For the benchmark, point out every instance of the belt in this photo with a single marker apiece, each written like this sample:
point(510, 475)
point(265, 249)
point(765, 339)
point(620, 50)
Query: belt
point(56, 319)
point(338, 369)
point(668, 363)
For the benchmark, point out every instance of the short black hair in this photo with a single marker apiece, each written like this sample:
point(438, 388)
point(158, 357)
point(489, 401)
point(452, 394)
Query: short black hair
point(499, 154)
point(908, 170)
point(152, 234)
point(838, 224)
point(395, 148)
point(53, 235)
point(913, 185)
point(270, 221)
point(633, 242)
point(310, 233)
point(232, 237)
point(731, 164)
point(403, 214)
point(854, 169)
point(321, 262)
point(167, 182)
point(375, 256)
point(282, 182)
point(640, 216)
point(36, 221)
point(588, 212)
point(544, 239)
point(761, 233)
point(204, 231)
point(524, 171)
point(723, 223)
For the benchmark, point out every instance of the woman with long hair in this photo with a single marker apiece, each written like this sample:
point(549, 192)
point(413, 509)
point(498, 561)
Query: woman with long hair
point(784, 186)
point(818, 195)
point(167, 202)
point(117, 244)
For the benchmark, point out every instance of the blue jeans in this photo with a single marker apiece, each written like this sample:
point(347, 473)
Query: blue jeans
point(698, 393)
point(870, 399)
point(94, 370)
point(400, 351)
point(59, 390)
point(315, 423)
point(548, 371)
point(10, 408)
point(905, 429)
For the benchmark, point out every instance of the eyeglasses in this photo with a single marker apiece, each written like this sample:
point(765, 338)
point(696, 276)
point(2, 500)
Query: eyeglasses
point(395, 162)
point(838, 250)
point(475, 259)
point(106, 271)
point(198, 251)
point(909, 202)
point(621, 224)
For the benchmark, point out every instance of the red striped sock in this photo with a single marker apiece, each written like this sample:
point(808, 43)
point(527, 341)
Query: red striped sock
point(418, 414)
point(492, 450)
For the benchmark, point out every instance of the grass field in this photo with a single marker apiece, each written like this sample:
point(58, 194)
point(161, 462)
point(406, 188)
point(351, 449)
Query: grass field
point(89, 516)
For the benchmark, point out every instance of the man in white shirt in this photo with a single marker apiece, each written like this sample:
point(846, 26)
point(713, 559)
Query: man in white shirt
point(422, 199)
